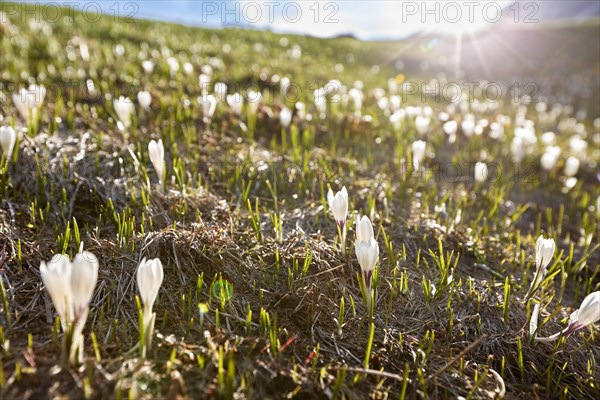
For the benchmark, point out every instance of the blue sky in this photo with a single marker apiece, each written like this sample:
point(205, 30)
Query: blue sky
point(366, 19)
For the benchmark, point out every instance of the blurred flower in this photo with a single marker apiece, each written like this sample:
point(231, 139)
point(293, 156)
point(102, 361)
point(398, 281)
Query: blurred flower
point(468, 126)
point(571, 166)
point(338, 204)
point(235, 102)
point(480, 172)
point(285, 117)
point(71, 286)
point(422, 124)
point(188, 68)
point(8, 138)
point(578, 147)
point(156, 151)
point(418, 153)
point(145, 99)
point(204, 82)
point(28, 101)
point(148, 66)
point(300, 111)
point(548, 138)
point(173, 65)
point(254, 99)
point(357, 99)
point(220, 91)
point(285, 85)
point(124, 108)
point(320, 102)
point(149, 279)
point(209, 105)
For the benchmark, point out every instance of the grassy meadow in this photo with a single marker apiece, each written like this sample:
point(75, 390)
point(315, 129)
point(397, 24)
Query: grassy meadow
point(258, 300)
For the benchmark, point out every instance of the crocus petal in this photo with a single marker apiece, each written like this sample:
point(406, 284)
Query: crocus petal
point(84, 276)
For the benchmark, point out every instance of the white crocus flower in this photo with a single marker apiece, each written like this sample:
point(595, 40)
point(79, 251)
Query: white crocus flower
point(571, 166)
point(338, 204)
point(209, 105)
point(587, 314)
point(145, 99)
point(418, 153)
point(480, 172)
point(71, 286)
point(149, 279)
point(156, 151)
point(544, 252)
point(8, 138)
point(364, 229)
point(28, 101)
point(367, 253)
point(124, 108)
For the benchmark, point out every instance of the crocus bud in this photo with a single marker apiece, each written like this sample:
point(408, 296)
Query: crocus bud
point(56, 276)
point(124, 109)
point(8, 138)
point(480, 172)
point(544, 251)
point(367, 253)
point(71, 286)
point(156, 151)
point(149, 279)
point(145, 99)
point(84, 276)
point(571, 166)
point(418, 153)
point(364, 229)
point(339, 205)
